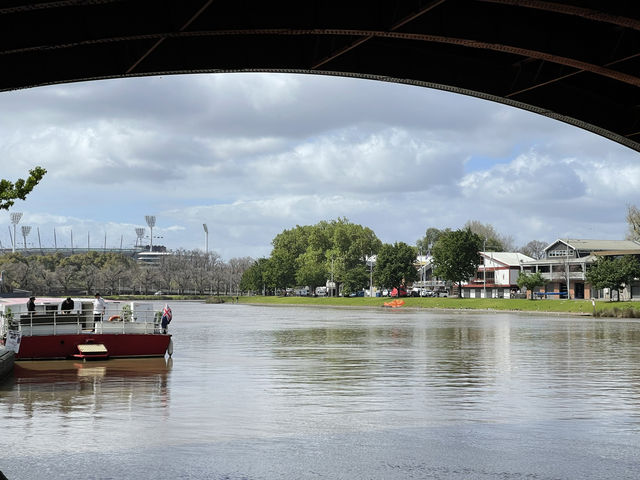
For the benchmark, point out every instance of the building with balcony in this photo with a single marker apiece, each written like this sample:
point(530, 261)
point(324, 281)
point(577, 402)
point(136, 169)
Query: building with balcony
point(565, 263)
point(497, 277)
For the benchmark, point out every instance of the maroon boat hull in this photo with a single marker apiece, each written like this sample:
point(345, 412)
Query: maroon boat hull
point(40, 347)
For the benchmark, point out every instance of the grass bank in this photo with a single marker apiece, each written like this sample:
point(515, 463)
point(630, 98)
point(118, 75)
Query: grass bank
point(578, 307)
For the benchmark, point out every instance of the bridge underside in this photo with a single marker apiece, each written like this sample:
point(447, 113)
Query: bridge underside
point(577, 61)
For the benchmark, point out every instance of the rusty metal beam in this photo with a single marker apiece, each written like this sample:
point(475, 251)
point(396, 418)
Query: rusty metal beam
point(557, 79)
point(587, 13)
point(359, 42)
point(159, 42)
point(461, 42)
point(59, 4)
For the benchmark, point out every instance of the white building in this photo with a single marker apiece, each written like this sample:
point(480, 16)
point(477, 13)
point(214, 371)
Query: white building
point(497, 276)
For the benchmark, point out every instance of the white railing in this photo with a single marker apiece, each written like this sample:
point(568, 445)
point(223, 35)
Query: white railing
point(32, 324)
point(560, 276)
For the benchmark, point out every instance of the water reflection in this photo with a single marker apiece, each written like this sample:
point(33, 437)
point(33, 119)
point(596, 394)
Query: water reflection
point(272, 391)
point(341, 359)
point(67, 385)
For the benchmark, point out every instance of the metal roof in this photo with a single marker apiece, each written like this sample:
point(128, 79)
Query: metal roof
point(508, 258)
point(597, 245)
point(574, 60)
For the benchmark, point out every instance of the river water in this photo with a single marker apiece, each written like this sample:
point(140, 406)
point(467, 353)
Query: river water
point(255, 392)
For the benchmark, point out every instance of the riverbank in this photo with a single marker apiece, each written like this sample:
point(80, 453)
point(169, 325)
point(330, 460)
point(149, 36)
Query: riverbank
point(577, 307)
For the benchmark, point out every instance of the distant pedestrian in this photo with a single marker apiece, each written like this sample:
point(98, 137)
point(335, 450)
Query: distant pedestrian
point(31, 304)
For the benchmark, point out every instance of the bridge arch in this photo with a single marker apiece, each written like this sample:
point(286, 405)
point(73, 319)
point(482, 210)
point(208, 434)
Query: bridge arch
point(558, 58)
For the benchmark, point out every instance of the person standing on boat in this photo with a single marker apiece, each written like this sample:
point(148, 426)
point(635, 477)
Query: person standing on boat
point(67, 305)
point(31, 305)
point(99, 308)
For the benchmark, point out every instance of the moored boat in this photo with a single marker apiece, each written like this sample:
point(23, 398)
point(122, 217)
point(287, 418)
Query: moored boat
point(124, 330)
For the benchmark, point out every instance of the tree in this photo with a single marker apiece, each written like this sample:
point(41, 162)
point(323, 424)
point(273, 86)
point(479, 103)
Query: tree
point(115, 269)
point(456, 256)
point(352, 244)
point(430, 238)
point(633, 221)
point(311, 268)
point(253, 277)
point(10, 192)
point(531, 281)
point(494, 241)
point(613, 274)
point(395, 265)
point(237, 266)
point(534, 249)
point(307, 255)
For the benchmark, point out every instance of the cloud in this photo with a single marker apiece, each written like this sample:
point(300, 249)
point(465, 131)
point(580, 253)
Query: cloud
point(253, 154)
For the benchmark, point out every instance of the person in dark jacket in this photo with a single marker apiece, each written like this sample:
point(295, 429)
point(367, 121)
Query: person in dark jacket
point(67, 305)
point(31, 304)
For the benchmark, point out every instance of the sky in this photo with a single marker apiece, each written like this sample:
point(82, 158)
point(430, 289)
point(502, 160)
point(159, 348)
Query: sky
point(253, 154)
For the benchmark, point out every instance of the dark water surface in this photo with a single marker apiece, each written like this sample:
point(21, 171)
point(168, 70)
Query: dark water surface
point(296, 392)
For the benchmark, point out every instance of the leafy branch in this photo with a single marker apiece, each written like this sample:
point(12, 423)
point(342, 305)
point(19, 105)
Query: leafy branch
point(10, 192)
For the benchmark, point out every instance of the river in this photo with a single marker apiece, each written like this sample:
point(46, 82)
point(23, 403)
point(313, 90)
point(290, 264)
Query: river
point(265, 392)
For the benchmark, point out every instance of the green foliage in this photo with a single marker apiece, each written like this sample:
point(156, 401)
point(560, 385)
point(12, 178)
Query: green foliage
point(10, 192)
point(311, 268)
point(253, 278)
point(126, 313)
point(430, 238)
point(613, 274)
point(311, 254)
point(455, 255)
point(531, 281)
point(355, 279)
point(395, 265)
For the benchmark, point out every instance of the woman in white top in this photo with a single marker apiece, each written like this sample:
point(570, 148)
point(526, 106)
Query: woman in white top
point(99, 307)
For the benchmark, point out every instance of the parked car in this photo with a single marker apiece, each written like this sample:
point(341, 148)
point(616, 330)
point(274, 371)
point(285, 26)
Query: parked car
point(399, 292)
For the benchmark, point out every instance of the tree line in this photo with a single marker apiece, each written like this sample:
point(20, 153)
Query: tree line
point(342, 252)
point(185, 271)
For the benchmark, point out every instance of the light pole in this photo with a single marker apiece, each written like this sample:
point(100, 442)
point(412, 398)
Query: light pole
point(206, 238)
point(484, 267)
point(139, 235)
point(25, 231)
point(151, 221)
point(15, 219)
point(371, 275)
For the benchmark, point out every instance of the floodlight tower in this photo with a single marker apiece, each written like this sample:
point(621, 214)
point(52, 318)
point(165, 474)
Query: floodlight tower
point(25, 232)
point(206, 239)
point(15, 219)
point(139, 235)
point(151, 221)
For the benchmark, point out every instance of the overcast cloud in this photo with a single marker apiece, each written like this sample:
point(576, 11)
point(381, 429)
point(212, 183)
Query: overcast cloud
point(253, 154)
